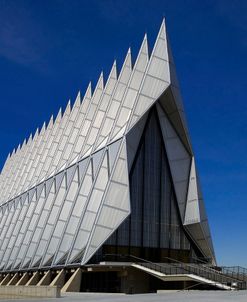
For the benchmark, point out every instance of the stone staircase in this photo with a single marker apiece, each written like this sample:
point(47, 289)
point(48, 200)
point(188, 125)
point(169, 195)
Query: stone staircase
point(227, 278)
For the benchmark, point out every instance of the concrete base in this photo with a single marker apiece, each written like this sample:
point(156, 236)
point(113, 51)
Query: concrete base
point(125, 278)
point(12, 291)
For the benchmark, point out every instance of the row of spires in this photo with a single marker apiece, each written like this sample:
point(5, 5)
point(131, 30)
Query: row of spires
point(78, 100)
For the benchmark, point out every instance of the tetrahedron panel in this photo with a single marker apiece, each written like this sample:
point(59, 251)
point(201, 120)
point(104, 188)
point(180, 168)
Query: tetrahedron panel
point(115, 205)
point(178, 158)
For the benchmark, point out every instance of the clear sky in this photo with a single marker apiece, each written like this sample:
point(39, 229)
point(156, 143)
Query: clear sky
point(49, 50)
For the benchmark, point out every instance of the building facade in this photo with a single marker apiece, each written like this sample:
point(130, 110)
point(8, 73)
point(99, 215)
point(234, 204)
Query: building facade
point(112, 175)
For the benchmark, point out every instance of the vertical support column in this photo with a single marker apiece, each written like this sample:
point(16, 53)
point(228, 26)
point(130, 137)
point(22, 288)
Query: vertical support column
point(46, 279)
point(74, 282)
point(1, 277)
point(6, 279)
point(59, 280)
point(14, 279)
point(34, 279)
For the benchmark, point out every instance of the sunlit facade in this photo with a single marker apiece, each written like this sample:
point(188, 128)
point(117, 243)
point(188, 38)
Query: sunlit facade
point(114, 174)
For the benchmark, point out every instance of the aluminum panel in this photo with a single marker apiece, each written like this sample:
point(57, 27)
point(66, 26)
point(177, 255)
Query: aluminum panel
point(6, 189)
point(4, 252)
point(130, 98)
point(153, 87)
point(171, 104)
point(50, 221)
point(113, 109)
point(160, 69)
point(39, 223)
point(196, 215)
point(161, 50)
point(192, 213)
point(180, 167)
point(93, 107)
point(143, 103)
point(125, 71)
point(28, 226)
point(120, 209)
point(110, 217)
point(76, 212)
point(113, 150)
point(97, 158)
point(99, 115)
point(123, 115)
point(92, 208)
point(136, 79)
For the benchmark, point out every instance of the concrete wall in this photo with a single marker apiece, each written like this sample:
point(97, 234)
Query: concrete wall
point(45, 283)
point(12, 291)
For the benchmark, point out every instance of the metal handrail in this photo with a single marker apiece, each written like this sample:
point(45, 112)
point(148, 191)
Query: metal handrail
point(238, 271)
point(202, 271)
point(206, 269)
point(194, 265)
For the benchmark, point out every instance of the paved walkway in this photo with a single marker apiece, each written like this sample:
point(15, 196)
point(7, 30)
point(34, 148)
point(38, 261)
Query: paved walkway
point(202, 296)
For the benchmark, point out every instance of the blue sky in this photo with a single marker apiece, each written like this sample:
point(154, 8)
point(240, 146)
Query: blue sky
point(49, 50)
